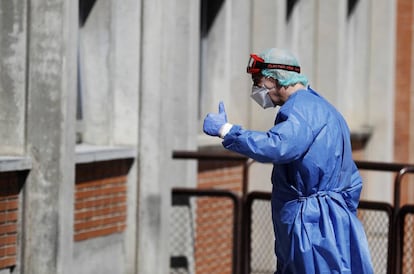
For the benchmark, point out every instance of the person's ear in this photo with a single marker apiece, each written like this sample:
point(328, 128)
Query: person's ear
point(278, 85)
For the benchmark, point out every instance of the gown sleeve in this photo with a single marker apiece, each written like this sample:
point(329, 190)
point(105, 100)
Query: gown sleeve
point(352, 194)
point(287, 141)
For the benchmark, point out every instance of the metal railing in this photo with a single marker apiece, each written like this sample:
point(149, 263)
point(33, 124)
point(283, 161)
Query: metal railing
point(258, 237)
point(205, 225)
point(405, 248)
point(394, 244)
point(389, 228)
point(400, 169)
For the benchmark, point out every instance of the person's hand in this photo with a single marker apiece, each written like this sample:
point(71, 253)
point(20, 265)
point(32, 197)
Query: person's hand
point(214, 121)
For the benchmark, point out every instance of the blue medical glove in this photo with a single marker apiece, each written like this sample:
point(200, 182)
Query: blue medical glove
point(214, 121)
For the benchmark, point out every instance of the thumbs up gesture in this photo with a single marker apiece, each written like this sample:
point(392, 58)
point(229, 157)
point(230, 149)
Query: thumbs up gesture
point(214, 121)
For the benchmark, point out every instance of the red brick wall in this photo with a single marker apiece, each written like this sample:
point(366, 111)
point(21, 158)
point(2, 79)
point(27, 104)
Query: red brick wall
point(403, 80)
point(100, 199)
point(226, 175)
point(10, 186)
point(214, 233)
point(402, 123)
point(214, 236)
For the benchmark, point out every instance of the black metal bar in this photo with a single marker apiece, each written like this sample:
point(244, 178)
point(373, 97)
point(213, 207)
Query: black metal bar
point(218, 155)
point(400, 223)
point(180, 200)
point(236, 215)
point(225, 155)
point(381, 166)
point(397, 185)
point(231, 156)
point(209, 155)
point(380, 206)
point(179, 262)
point(401, 169)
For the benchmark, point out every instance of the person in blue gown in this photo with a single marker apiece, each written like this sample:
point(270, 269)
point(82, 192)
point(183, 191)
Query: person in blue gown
point(316, 184)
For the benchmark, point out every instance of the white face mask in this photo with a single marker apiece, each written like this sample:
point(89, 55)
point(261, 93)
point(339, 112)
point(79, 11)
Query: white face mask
point(261, 96)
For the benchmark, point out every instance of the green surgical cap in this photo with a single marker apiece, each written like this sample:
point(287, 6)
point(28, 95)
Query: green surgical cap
point(281, 56)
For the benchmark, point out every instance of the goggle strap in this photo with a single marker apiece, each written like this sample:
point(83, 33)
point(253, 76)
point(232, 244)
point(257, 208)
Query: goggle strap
point(281, 66)
point(256, 64)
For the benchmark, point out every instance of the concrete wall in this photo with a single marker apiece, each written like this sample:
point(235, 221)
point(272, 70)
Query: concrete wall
point(142, 64)
point(13, 28)
point(132, 95)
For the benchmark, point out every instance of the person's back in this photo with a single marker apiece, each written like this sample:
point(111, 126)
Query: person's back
point(314, 196)
point(325, 161)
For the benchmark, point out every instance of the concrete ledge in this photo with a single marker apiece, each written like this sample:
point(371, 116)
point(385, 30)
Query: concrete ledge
point(14, 163)
point(89, 153)
point(84, 154)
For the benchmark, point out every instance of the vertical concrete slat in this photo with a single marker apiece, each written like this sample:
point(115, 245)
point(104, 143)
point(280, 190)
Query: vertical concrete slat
point(13, 28)
point(329, 42)
point(305, 43)
point(124, 72)
point(214, 63)
point(167, 119)
point(48, 194)
point(381, 96)
point(356, 68)
point(239, 81)
point(267, 27)
point(126, 28)
point(96, 62)
point(179, 105)
point(150, 253)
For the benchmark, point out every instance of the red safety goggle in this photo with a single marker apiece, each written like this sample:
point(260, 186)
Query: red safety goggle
point(256, 64)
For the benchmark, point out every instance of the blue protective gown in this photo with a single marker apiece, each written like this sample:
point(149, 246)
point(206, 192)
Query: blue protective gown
point(316, 187)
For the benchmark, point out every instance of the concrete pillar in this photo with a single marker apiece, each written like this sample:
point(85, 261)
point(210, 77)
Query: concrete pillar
point(96, 57)
point(13, 31)
point(224, 55)
point(239, 101)
point(124, 71)
point(180, 106)
point(168, 119)
point(51, 91)
point(354, 96)
point(151, 256)
point(328, 67)
point(304, 29)
point(109, 61)
point(125, 53)
point(381, 96)
point(268, 24)
point(214, 67)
